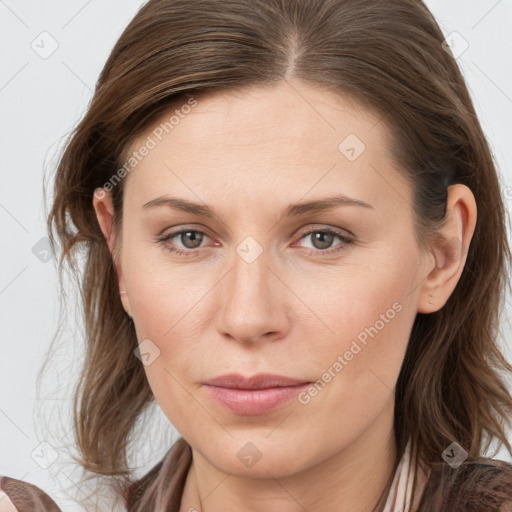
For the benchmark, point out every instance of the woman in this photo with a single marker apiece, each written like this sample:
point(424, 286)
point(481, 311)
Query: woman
point(359, 372)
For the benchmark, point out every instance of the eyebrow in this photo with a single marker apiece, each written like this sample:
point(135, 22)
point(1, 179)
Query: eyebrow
point(292, 210)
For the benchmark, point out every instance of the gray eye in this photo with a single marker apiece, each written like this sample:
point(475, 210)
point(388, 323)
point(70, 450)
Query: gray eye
point(190, 239)
point(321, 240)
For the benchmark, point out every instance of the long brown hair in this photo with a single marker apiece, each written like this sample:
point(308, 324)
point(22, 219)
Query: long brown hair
point(390, 57)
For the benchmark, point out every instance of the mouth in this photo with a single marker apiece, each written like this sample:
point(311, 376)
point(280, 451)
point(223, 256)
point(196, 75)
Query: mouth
point(254, 395)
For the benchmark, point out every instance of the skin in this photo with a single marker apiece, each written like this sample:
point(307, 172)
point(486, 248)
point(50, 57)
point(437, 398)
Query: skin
point(248, 155)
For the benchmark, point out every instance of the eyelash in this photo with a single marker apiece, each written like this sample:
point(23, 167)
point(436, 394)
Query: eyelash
point(192, 252)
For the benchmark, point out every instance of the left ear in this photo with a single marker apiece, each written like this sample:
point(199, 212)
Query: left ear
point(450, 250)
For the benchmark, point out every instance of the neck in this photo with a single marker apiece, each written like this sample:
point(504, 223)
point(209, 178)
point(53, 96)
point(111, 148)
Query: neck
point(351, 480)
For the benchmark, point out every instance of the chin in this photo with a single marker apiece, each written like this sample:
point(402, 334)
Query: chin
point(259, 456)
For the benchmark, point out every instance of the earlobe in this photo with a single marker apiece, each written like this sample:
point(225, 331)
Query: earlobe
point(449, 249)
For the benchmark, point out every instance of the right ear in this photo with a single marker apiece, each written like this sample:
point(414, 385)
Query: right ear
point(104, 208)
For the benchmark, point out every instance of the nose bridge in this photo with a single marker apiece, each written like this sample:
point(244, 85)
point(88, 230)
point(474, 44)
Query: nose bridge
point(250, 266)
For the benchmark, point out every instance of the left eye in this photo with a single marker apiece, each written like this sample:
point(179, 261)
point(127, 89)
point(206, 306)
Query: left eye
point(322, 239)
point(191, 239)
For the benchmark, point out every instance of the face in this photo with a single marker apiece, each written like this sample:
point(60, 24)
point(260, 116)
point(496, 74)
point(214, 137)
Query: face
point(245, 283)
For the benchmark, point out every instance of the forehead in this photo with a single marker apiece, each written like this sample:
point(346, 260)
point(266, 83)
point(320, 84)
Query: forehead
point(292, 138)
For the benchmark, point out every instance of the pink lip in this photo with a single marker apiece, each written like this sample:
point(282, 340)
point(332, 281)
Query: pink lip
point(258, 394)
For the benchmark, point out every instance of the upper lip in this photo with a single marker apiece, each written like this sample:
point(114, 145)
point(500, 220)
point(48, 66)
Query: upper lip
point(259, 381)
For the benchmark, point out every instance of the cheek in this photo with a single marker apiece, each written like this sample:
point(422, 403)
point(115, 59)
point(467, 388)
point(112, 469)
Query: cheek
point(357, 371)
point(178, 401)
point(167, 309)
point(165, 300)
point(163, 319)
point(371, 317)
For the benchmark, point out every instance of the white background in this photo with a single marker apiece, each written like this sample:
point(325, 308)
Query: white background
point(41, 100)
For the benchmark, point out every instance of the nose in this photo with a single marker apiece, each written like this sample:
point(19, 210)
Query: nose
point(255, 303)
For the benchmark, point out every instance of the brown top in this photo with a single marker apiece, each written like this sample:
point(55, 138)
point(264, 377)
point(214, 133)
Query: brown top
point(25, 497)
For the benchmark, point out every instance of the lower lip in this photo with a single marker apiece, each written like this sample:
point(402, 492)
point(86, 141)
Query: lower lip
point(254, 401)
